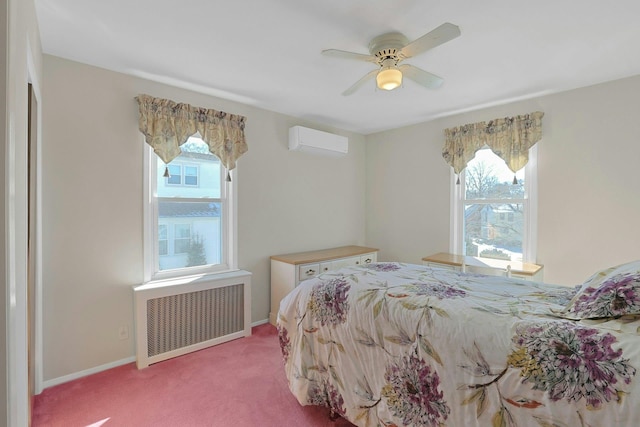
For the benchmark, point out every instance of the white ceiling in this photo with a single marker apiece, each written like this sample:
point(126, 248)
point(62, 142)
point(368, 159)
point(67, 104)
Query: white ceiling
point(266, 53)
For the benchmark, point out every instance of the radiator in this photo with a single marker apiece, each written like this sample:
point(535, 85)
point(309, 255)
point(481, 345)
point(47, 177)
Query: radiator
point(176, 317)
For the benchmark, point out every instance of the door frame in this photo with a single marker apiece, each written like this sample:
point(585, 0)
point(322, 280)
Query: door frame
point(37, 232)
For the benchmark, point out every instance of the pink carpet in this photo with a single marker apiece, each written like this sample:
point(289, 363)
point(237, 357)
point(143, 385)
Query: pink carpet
point(239, 383)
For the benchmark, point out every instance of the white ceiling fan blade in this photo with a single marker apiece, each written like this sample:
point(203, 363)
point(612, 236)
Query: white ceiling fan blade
point(357, 85)
point(442, 34)
point(421, 77)
point(336, 53)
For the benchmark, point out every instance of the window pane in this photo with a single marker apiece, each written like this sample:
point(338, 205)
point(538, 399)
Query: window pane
point(163, 247)
point(182, 238)
point(175, 172)
point(181, 246)
point(183, 231)
point(202, 173)
point(488, 177)
point(162, 239)
point(494, 230)
point(162, 232)
point(190, 175)
point(197, 229)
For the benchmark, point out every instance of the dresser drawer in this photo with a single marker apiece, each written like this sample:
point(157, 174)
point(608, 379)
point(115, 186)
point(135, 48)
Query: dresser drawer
point(368, 258)
point(346, 262)
point(307, 271)
point(338, 263)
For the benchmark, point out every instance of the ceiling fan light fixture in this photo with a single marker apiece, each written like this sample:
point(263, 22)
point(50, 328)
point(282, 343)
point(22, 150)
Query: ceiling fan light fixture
point(389, 78)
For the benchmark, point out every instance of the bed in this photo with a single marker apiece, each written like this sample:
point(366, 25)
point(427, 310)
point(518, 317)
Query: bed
point(393, 344)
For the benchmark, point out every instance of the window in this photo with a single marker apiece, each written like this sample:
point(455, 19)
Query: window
point(191, 175)
point(190, 218)
point(175, 175)
point(180, 174)
point(492, 216)
point(162, 240)
point(182, 238)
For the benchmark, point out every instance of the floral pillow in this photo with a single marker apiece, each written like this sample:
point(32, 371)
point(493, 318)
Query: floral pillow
point(609, 293)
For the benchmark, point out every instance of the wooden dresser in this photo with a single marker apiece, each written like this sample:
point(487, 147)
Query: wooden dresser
point(288, 270)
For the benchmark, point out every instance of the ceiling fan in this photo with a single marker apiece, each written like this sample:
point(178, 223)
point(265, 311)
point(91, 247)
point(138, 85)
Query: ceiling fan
point(388, 50)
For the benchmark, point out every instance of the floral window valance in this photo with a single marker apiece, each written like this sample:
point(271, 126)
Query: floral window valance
point(509, 138)
point(167, 125)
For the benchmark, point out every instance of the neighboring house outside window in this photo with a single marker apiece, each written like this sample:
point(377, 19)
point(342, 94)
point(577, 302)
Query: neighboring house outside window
point(163, 244)
point(182, 174)
point(192, 212)
point(492, 217)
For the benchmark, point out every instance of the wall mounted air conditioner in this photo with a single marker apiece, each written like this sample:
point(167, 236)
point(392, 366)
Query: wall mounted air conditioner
point(317, 142)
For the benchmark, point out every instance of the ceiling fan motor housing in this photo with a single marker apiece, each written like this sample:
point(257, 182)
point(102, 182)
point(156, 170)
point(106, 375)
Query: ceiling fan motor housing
point(388, 46)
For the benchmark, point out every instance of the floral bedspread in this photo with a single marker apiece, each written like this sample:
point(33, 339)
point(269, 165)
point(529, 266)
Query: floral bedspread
point(391, 344)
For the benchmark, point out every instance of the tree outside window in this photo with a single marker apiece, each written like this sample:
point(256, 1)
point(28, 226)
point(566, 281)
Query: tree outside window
point(493, 208)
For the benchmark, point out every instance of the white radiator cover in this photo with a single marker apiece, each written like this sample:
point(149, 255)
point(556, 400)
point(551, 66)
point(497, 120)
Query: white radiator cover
point(175, 317)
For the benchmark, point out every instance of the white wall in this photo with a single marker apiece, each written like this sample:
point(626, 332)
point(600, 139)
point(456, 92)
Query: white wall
point(21, 64)
point(589, 190)
point(92, 169)
point(407, 193)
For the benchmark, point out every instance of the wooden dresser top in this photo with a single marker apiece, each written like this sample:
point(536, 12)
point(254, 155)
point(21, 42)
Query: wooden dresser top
point(323, 255)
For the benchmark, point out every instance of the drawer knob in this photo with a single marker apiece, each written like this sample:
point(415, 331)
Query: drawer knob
point(310, 272)
point(367, 261)
point(357, 262)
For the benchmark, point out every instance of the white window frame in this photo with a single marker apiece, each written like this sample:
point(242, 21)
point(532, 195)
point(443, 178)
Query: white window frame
point(530, 210)
point(229, 232)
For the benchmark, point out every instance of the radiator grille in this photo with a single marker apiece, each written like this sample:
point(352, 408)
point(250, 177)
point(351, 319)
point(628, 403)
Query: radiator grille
point(181, 320)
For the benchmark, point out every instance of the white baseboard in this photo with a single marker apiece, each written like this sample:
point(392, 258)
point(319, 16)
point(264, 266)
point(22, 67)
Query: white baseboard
point(76, 375)
point(260, 322)
point(132, 359)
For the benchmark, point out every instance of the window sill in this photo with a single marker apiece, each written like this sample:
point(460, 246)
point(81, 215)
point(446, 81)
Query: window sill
point(190, 279)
